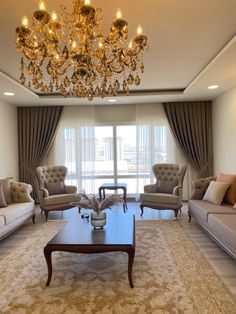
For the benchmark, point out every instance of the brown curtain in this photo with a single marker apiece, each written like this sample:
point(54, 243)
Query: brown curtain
point(191, 126)
point(36, 131)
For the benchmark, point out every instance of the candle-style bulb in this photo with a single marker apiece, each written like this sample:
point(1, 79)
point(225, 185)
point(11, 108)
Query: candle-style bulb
point(100, 44)
point(139, 30)
point(118, 14)
point(74, 44)
point(25, 21)
point(54, 16)
point(42, 6)
point(87, 2)
point(130, 45)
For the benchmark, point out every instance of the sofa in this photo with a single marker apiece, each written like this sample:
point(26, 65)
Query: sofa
point(219, 221)
point(16, 205)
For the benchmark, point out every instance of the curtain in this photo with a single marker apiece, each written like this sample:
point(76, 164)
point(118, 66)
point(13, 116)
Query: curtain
point(74, 146)
point(191, 126)
point(155, 144)
point(36, 131)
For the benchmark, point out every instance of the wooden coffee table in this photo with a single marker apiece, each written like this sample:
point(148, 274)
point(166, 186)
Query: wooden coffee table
point(78, 236)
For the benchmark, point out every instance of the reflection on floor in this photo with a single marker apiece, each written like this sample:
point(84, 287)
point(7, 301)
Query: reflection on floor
point(224, 265)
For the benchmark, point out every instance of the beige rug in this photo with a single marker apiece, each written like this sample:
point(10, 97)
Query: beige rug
point(170, 276)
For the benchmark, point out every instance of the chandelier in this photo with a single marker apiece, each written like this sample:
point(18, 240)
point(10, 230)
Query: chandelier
point(68, 54)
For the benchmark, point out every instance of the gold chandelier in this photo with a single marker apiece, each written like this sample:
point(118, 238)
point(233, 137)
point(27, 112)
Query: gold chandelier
point(68, 53)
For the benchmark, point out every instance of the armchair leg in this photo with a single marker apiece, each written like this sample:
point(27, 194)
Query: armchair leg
point(189, 217)
point(46, 214)
point(176, 212)
point(141, 207)
point(33, 219)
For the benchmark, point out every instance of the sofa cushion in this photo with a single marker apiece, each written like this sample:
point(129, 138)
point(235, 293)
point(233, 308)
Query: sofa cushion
point(3, 202)
point(2, 222)
point(216, 192)
point(15, 211)
point(201, 209)
point(230, 195)
point(60, 199)
point(223, 226)
point(6, 186)
point(159, 198)
point(55, 188)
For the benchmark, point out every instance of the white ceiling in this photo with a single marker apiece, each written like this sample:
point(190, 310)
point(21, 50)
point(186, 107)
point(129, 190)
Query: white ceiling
point(191, 46)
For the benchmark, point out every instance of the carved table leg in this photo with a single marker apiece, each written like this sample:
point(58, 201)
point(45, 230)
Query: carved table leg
point(130, 266)
point(141, 207)
point(48, 257)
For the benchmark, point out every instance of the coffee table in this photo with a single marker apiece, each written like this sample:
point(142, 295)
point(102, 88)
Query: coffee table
point(78, 236)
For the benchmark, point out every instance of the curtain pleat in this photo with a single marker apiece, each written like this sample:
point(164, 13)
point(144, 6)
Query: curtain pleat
point(191, 126)
point(37, 128)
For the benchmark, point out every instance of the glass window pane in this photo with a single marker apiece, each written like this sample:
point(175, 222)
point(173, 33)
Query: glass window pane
point(126, 149)
point(104, 154)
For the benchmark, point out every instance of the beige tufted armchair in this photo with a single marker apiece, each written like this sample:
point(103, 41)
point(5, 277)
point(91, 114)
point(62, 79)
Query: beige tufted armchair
point(52, 191)
point(166, 193)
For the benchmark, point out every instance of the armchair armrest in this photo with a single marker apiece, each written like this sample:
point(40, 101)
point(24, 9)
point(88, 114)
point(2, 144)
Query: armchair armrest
point(150, 188)
point(44, 191)
point(70, 189)
point(199, 187)
point(178, 190)
point(21, 192)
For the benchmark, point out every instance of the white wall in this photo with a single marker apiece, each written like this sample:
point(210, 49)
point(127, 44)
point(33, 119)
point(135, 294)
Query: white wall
point(8, 141)
point(224, 132)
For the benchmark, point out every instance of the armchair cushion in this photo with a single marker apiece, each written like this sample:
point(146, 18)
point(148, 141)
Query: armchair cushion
point(166, 186)
point(59, 199)
point(159, 198)
point(55, 188)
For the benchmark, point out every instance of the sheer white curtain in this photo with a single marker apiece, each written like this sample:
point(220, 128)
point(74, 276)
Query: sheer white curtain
point(155, 144)
point(74, 146)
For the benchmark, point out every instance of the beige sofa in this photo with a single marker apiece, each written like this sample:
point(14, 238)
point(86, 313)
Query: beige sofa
point(218, 221)
point(20, 207)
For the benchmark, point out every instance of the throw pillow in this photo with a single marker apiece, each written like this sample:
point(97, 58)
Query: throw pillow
point(55, 188)
point(230, 195)
point(6, 187)
point(216, 192)
point(166, 186)
point(3, 202)
point(234, 206)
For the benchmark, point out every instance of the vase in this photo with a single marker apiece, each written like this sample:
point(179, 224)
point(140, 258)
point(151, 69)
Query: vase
point(98, 220)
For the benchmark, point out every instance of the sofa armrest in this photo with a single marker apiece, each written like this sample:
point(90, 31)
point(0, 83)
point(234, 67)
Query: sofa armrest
point(178, 190)
point(21, 192)
point(70, 189)
point(199, 187)
point(150, 188)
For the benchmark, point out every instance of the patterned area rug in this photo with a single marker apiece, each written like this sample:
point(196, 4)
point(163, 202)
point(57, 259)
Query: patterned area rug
point(170, 276)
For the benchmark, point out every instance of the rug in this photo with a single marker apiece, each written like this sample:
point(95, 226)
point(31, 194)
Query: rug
point(170, 276)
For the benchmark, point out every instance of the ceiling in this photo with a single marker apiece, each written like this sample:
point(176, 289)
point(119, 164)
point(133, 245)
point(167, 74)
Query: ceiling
point(192, 44)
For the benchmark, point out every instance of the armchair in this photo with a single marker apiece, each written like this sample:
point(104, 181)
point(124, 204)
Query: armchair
point(52, 191)
point(166, 193)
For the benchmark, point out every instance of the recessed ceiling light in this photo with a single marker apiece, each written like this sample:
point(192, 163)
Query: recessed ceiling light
point(213, 86)
point(112, 100)
point(8, 94)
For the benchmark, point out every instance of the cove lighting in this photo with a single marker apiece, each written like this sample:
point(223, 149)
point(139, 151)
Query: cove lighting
point(112, 100)
point(8, 94)
point(213, 86)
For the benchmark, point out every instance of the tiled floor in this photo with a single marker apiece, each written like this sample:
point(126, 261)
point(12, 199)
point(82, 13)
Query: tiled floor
point(224, 265)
